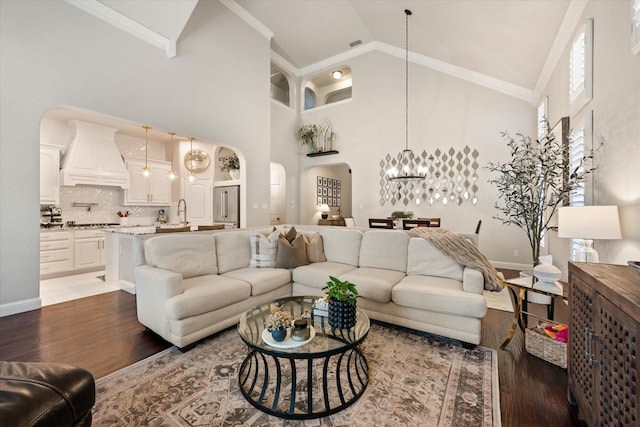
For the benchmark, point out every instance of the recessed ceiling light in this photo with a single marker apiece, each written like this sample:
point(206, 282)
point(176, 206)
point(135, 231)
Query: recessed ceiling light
point(336, 74)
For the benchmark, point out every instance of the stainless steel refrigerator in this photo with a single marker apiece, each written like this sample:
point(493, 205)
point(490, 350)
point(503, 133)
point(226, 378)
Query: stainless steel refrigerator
point(227, 205)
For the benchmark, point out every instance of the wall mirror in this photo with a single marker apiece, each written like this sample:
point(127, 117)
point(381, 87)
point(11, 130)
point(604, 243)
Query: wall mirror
point(196, 161)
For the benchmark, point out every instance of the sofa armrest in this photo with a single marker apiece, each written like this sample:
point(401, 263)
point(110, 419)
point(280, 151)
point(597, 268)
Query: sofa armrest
point(472, 281)
point(154, 286)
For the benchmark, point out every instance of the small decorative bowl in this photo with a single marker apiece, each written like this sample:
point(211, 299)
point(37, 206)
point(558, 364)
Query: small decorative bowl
point(335, 216)
point(547, 273)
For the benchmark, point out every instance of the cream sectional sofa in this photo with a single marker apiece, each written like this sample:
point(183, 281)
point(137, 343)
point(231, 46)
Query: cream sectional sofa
point(194, 285)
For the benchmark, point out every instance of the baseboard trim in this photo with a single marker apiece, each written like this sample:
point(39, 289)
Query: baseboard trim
point(127, 286)
point(20, 306)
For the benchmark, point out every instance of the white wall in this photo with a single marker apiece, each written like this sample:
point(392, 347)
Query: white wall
point(444, 112)
point(616, 122)
point(53, 54)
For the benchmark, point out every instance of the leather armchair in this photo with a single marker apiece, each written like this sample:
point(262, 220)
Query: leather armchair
point(45, 394)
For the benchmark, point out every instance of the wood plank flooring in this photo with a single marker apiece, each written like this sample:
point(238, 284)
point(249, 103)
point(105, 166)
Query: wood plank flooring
point(101, 333)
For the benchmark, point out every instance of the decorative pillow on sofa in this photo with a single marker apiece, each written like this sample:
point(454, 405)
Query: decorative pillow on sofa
point(291, 234)
point(263, 249)
point(292, 255)
point(315, 248)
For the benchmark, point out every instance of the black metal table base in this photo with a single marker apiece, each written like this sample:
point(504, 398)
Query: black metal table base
point(293, 386)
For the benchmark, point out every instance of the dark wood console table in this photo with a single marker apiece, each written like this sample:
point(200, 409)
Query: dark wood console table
point(604, 328)
point(335, 222)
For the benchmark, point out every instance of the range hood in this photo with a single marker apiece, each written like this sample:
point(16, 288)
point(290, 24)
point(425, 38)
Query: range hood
point(93, 157)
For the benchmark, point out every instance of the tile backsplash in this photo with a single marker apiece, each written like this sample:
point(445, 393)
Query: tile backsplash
point(109, 202)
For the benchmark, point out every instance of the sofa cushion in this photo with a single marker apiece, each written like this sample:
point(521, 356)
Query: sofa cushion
point(262, 280)
point(373, 283)
point(233, 250)
point(438, 294)
point(203, 294)
point(424, 259)
point(187, 254)
point(385, 249)
point(315, 248)
point(291, 254)
point(263, 249)
point(317, 274)
point(342, 246)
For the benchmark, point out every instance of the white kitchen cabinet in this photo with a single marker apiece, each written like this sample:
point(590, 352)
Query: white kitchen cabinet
point(154, 190)
point(56, 252)
point(49, 174)
point(199, 198)
point(88, 249)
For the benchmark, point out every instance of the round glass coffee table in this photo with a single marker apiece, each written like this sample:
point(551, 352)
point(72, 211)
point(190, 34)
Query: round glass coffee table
point(315, 378)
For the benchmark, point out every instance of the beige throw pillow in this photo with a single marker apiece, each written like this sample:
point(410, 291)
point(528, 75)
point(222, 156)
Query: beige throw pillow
point(315, 248)
point(291, 255)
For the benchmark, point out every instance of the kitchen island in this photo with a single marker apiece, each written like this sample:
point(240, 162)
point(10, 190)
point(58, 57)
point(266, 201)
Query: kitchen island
point(124, 251)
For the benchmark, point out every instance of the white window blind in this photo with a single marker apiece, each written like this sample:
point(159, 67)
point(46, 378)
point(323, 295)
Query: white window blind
point(580, 67)
point(542, 118)
point(576, 157)
point(635, 27)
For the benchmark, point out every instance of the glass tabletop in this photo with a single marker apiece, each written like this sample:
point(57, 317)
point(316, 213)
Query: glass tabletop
point(531, 283)
point(326, 339)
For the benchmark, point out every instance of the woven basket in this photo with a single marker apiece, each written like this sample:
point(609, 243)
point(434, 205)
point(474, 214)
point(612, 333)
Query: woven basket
point(546, 348)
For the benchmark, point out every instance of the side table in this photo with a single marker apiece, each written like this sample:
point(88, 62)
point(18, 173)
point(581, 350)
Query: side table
point(519, 288)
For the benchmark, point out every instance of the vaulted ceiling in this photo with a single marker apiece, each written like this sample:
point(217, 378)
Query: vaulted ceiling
point(504, 42)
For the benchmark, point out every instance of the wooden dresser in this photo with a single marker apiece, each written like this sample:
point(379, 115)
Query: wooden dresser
point(604, 301)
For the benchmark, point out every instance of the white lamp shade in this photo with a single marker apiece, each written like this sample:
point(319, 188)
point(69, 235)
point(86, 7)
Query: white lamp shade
point(325, 208)
point(589, 222)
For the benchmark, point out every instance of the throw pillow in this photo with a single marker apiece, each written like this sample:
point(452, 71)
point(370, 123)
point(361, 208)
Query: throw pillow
point(291, 255)
point(263, 249)
point(315, 248)
point(291, 234)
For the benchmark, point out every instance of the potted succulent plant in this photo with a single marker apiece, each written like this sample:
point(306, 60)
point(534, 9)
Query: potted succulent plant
point(278, 323)
point(342, 303)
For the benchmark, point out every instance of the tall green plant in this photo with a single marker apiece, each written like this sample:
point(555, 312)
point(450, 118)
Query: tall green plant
point(534, 184)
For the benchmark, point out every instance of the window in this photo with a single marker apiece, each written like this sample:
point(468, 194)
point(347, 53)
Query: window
point(635, 27)
point(580, 138)
point(543, 117)
point(581, 68)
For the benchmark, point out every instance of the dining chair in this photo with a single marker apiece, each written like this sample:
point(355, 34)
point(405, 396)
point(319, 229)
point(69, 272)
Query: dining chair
point(433, 222)
point(381, 223)
point(409, 224)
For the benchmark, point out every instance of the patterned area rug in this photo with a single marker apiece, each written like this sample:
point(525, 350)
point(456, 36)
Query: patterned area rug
point(415, 379)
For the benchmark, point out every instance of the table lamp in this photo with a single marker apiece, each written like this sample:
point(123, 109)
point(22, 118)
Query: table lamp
point(588, 223)
point(325, 211)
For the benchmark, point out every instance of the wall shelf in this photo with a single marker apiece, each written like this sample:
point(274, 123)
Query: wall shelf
point(322, 153)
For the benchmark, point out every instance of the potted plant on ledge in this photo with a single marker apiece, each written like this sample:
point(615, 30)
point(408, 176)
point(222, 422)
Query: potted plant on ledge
point(342, 303)
point(231, 165)
point(307, 135)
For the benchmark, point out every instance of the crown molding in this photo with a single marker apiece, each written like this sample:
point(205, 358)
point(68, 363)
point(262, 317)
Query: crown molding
point(124, 23)
point(242, 13)
point(567, 27)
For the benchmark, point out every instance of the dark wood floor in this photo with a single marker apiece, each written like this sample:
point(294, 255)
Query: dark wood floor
point(102, 334)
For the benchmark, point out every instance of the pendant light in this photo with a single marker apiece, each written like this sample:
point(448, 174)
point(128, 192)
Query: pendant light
point(145, 170)
point(191, 176)
point(408, 168)
point(172, 175)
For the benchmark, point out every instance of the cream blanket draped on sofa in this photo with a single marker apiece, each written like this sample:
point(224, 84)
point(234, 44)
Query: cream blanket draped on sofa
point(462, 251)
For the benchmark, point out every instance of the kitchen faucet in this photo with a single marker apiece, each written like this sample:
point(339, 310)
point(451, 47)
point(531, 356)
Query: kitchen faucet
point(184, 210)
